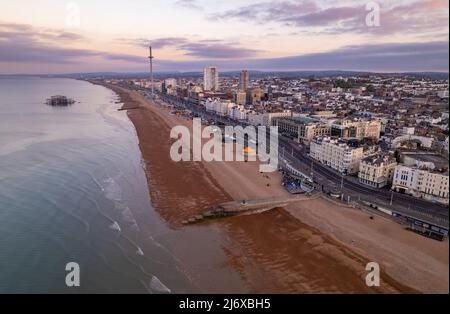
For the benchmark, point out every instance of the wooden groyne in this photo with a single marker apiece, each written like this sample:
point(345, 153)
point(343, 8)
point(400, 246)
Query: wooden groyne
point(132, 108)
point(250, 207)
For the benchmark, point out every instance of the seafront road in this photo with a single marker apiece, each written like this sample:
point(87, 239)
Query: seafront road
point(326, 177)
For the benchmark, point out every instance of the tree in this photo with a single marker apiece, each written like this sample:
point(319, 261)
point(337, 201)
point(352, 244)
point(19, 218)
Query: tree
point(343, 84)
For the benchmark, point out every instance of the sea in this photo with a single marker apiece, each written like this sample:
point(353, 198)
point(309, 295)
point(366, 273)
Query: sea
point(75, 212)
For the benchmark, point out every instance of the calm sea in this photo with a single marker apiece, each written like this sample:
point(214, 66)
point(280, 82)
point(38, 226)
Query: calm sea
point(72, 189)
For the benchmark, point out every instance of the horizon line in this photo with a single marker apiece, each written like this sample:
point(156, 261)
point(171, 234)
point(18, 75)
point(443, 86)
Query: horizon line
point(229, 71)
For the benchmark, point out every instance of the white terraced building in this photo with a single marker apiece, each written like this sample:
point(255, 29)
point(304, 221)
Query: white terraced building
point(218, 106)
point(265, 119)
point(336, 154)
point(422, 183)
point(237, 113)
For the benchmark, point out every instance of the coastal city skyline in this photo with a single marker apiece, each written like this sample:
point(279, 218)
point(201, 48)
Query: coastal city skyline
point(372, 145)
point(82, 36)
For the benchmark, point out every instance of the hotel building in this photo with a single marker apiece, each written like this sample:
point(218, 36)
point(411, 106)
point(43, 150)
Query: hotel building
point(377, 171)
point(337, 154)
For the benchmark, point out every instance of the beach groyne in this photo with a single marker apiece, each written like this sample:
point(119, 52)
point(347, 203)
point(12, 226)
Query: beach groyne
point(249, 207)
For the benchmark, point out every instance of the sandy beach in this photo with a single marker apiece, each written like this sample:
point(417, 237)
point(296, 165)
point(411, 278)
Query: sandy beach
point(312, 247)
point(416, 261)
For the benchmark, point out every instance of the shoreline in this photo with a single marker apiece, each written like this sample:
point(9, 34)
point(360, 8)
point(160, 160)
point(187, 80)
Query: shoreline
point(276, 251)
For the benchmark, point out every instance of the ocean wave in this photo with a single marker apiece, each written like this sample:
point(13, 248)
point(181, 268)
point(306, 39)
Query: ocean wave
point(127, 216)
point(116, 226)
point(112, 190)
point(158, 286)
point(139, 251)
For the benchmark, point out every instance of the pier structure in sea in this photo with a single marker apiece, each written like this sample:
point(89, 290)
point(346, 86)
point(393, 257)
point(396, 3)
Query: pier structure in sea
point(59, 100)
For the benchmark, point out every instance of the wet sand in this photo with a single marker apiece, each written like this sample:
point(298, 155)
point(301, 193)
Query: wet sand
point(276, 251)
point(294, 257)
point(178, 190)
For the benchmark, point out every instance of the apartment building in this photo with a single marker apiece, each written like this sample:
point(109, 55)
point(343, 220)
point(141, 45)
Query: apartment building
point(357, 129)
point(211, 79)
point(265, 119)
point(218, 106)
point(377, 171)
point(254, 95)
point(237, 113)
point(337, 154)
point(423, 183)
point(302, 130)
point(240, 98)
point(244, 80)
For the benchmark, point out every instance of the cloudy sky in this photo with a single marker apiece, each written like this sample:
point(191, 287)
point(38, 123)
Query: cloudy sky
point(55, 36)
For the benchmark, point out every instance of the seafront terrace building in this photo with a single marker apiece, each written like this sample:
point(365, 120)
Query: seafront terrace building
point(237, 113)
point(422, 183)
point(377, 171)
point(266, 118)
point(218, 106)
point(337, 154)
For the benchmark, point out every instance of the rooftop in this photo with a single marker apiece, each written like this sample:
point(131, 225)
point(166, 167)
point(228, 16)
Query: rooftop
point(377, 160)
point(436, 159)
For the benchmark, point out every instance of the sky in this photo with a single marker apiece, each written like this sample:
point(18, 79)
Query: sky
point(56, 36)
